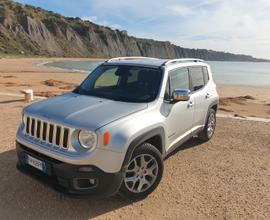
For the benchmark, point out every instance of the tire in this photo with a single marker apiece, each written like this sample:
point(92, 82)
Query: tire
point(143, 173)
point(209, 129)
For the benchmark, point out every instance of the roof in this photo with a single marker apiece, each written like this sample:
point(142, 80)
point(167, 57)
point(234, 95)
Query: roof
point(149, 61)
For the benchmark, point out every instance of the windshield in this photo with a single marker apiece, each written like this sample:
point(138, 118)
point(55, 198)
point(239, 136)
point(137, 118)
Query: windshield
point(122, 83)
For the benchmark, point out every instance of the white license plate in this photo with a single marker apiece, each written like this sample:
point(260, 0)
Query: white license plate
point(38, 164)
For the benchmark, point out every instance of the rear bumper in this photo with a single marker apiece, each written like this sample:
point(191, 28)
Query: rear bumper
point(69, 178)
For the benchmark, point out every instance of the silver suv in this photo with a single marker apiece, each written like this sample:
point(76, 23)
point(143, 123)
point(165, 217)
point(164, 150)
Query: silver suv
point(112, 133)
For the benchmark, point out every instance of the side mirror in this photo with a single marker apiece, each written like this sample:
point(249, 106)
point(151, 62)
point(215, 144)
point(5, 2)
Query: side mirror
point(181, 95)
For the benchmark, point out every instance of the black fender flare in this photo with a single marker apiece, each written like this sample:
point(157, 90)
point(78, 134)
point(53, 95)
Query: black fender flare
point(215, 102)
point(141, 139)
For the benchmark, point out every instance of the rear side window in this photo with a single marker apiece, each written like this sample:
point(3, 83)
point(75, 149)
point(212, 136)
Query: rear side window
point(179, 79)
point(197, 78)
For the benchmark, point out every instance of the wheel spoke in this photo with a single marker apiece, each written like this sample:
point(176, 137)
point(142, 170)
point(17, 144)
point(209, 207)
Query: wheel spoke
point(149, 161)
point(150, 170)
point(135, 167)
point(146, 182)
point(142, 160)
point(131, 179)
point(140, 186)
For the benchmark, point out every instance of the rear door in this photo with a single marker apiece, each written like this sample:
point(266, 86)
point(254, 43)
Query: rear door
point(199, 87)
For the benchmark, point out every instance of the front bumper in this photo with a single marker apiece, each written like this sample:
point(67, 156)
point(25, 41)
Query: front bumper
point(67, 177)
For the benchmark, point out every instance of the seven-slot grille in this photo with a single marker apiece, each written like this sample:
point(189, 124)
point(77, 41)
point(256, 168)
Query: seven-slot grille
point(49, 133)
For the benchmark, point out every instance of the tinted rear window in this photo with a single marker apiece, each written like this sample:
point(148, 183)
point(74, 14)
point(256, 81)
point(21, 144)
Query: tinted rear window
point(205, 74)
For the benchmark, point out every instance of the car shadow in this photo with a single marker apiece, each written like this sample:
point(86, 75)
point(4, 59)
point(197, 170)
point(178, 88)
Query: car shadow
point(24, 197)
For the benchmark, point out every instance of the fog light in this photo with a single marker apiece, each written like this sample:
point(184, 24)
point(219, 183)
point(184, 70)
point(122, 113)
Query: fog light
point(92, 181)
point(85, 183)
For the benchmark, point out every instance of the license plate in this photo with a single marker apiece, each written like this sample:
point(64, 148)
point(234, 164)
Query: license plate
point(38, 164)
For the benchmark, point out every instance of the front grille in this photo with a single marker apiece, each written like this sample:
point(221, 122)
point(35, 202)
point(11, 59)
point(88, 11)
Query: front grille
point(50, 133)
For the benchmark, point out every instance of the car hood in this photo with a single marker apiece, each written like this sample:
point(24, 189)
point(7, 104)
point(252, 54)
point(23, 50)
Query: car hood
point(81, 111)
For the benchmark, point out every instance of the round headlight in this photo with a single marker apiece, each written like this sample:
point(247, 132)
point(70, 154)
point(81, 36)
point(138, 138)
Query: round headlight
point(87, 139)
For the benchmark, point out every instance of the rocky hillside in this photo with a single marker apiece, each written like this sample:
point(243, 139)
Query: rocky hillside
point(33, 31)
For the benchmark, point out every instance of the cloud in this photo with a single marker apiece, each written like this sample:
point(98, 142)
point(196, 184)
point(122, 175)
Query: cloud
point(180, 10)
point(237, 26)
point(89, 18)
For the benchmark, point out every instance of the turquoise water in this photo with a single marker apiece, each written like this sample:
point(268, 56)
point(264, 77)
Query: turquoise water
point(241, 73)
point(232, 73)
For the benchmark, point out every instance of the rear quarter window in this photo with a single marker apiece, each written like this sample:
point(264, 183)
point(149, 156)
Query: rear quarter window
point(205, 75)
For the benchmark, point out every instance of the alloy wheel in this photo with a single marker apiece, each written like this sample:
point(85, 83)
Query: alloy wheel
point(211, 125)
point(141, 173)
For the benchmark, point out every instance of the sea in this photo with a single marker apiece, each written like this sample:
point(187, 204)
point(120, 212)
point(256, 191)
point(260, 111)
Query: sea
point(227, 73)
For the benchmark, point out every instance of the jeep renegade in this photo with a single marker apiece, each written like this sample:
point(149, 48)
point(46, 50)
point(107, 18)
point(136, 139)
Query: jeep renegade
point(112, 133)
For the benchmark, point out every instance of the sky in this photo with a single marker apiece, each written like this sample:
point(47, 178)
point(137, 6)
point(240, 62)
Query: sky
point(237, 26)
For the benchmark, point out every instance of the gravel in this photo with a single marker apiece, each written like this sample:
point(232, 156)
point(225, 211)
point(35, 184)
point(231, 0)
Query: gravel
point(225, 178)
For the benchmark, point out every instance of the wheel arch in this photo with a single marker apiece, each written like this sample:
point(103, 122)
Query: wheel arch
point(156, 137)
point(213, 105)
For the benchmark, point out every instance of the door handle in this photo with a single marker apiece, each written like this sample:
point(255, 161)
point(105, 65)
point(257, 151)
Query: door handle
point(190, 104)
point(207, 96)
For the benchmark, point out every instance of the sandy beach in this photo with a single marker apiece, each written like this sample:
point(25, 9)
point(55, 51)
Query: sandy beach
point(225, 178)
point(21, 73)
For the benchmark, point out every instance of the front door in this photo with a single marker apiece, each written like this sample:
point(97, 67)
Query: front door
point(179, 116)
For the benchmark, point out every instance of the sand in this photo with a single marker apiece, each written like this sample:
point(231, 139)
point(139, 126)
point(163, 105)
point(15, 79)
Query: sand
point(226, 178)
point(245, 100)
point(21, 73)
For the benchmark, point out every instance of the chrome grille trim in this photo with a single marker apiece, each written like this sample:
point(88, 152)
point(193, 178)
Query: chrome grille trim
point(33, 126)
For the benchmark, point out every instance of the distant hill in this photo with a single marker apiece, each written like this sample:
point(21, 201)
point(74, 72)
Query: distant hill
point(25, 29)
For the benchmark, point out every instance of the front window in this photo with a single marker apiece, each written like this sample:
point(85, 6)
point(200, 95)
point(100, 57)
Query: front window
point(122, 83)
point(179, 79)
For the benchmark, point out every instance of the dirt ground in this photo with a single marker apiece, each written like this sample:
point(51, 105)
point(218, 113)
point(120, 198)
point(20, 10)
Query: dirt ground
point(226, 178)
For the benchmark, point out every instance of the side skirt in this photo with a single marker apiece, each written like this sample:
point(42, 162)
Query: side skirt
point(182, 139)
